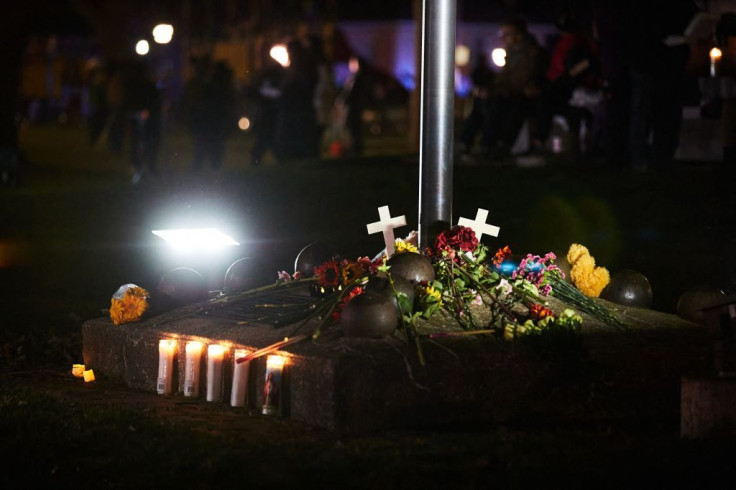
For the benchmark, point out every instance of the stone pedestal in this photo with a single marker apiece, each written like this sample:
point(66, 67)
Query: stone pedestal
point(361, 385)
point(708, 408)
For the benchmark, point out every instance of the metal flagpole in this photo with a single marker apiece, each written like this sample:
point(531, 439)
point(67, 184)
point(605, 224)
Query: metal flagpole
point(436, 118)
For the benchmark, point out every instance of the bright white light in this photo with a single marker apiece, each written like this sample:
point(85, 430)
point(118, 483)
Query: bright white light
point(244, 123)
point(462, 55)
point(196, 238)
point(163, 33)
point(498, 56)
point(280, 54)
point(141, 47)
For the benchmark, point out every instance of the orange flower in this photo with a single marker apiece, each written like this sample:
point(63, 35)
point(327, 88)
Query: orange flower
point(501, 255)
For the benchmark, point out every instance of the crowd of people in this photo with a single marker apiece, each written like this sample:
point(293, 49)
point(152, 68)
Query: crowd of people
point(621, 73)
point(624, 86)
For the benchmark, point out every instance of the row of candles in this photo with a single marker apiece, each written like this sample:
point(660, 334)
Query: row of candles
point(167, 349)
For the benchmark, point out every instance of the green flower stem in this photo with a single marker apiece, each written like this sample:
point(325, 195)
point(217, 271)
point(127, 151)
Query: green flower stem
point(410, 331)
point(492, 297)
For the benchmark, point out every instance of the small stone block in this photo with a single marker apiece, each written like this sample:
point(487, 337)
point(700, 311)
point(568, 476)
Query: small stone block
point(708, 408)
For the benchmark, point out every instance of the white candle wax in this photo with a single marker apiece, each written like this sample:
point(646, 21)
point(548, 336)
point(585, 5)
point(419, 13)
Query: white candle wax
point(215, 354)
point(272, 385)
point(240, 379)
point(715, 57)
point(166, 348)
point(192, 368)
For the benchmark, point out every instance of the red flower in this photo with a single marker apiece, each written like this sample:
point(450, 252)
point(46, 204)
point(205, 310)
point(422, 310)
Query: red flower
point(539, 312)
point(501, 255)
point(456, 238)
point(356, 291)
point(328, 274)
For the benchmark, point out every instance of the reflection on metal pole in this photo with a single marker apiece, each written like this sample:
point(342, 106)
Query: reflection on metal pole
point(438, 100)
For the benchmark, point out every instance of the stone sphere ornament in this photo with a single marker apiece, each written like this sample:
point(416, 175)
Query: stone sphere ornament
point(239, 276)
point(691, 302)
point(369, 315)
point(412, 266)
point(630, 288)
point(179, 287)
point(380, 285)
point(313, 255)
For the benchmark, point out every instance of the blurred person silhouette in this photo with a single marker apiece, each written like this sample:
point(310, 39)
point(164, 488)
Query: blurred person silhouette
point(266, 94)
point(353, 100)
point(115, 94)
point(296, 126)
point(99, 108)
point(658, 57)
point(573, 73)
point(643, 68)
point(325, 94)
point(514, 90)
point(481, 78)
point(142, 103)
point(211, 101)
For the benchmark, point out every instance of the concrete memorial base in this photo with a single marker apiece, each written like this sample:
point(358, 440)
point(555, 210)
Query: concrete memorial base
point(359, 385)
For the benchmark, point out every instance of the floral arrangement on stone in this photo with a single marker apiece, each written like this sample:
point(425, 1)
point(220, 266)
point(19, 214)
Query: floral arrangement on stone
point(128, 304)
point(458, 277)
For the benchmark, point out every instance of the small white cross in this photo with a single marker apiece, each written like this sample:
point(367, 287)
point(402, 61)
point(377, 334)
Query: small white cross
point(386, 224)
point(479, 226)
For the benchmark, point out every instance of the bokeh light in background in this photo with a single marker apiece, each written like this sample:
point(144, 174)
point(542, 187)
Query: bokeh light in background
point(244, 124)
point(498, 56)
point(142, 47)
point(163, 33)
point(280, 54)
point(462, 55)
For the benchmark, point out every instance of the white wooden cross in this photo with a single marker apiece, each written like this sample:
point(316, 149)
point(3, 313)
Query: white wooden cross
point(386, 224)
point(479, 226)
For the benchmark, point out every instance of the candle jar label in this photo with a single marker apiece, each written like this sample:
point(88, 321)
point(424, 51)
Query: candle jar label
point(272, 385)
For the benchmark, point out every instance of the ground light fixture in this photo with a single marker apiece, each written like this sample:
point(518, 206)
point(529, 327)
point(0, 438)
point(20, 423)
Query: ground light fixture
point(185, 239)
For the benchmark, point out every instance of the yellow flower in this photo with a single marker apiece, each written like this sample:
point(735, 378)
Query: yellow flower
point(432, 293)
point(588, 278)
point(351, 273)
point(128, 304)
point(400, 246)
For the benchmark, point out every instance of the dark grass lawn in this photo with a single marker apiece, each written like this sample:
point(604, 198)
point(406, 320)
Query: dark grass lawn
point(75, 230)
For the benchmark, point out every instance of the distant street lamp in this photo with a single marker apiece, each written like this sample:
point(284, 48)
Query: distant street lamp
point(163, 33)
point(462, 55)
point(498, 56)
point(141, 47)
point(280, 54)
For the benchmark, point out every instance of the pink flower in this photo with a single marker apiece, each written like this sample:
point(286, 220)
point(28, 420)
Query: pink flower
point(284, 276)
